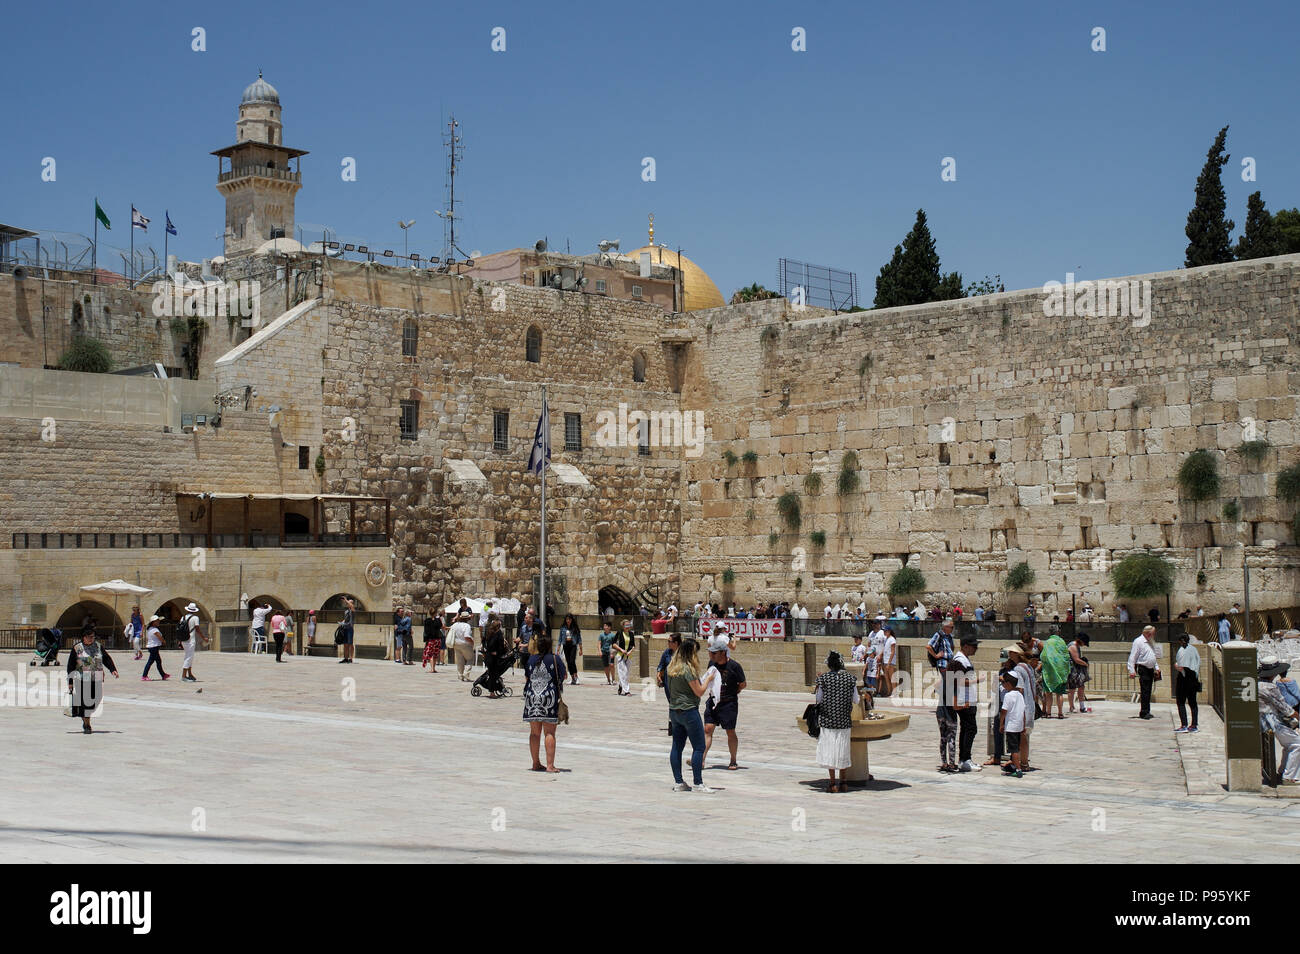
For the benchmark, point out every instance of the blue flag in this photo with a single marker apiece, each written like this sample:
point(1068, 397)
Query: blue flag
point(171, 229)
point(541, 454)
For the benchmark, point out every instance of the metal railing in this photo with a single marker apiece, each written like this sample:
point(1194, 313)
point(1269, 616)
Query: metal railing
point(265, 172)
point(147, 541)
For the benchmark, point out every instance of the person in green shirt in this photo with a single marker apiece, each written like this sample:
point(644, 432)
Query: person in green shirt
point(685, 690)
point(606, 650)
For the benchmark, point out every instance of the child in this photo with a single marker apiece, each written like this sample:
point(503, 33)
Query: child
point(1013, 721)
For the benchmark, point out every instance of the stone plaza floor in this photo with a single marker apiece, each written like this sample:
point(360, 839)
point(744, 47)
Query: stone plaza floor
point(294, 763)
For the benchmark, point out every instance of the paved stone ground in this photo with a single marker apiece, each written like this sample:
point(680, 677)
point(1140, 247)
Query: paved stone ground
point(413, 769)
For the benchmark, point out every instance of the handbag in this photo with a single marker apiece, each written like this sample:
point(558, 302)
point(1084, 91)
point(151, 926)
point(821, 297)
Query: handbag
point(338, 635)
point(812, 716)
point(562, 707)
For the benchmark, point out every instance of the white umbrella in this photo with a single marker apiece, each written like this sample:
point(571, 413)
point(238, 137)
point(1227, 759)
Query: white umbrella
point(117, 588)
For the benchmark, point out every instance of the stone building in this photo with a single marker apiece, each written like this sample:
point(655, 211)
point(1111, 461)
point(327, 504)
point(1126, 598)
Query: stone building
point(375, 426)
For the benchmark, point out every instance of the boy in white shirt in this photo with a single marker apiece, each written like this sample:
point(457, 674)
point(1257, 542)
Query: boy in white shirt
point(1013, 721)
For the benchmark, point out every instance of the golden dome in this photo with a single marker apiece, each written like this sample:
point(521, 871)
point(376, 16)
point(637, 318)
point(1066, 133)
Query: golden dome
point(698, 290)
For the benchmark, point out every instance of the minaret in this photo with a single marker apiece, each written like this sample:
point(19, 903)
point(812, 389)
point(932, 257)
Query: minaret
point(259, 184)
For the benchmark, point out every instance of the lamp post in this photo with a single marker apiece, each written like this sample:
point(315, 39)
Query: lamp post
point(404, 226)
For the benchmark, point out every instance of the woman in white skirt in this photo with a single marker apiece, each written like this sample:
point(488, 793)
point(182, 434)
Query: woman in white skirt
point(837, 692)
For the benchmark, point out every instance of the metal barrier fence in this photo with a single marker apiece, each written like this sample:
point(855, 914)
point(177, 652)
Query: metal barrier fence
point(103, 541)
point(110, 637)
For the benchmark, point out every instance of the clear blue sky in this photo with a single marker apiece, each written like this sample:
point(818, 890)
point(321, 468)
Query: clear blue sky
point(1066, 159)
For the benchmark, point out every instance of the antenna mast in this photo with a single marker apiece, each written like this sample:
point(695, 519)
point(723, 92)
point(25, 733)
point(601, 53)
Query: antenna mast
point(451, 139)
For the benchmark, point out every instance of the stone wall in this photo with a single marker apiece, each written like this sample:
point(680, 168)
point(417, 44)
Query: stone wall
point(466, 514)
point(988, 433)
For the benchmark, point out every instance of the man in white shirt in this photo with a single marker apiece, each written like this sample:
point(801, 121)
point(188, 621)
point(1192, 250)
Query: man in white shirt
point(1123, 613)
point(461, 638)
point(189, 632)
point(1144, 666)
point(965, 700)
point(259, 619)
point(828, 612)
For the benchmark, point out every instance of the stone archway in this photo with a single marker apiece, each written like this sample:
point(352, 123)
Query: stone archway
point(108, 622)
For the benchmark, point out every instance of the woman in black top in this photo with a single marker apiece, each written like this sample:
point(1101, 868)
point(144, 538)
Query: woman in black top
point(494, 654)
point(432, 640)
point(86, 665)
point(571, 642)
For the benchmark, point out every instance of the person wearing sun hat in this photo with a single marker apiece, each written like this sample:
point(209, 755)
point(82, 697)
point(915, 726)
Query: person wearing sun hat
point(154, 644)
point(1277, 715)
point(189, 632)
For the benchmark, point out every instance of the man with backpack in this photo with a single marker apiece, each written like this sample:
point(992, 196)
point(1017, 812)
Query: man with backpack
point(939, 650)
point(189, 632)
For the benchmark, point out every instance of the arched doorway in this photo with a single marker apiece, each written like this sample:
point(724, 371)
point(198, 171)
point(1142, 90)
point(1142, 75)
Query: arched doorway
point(619, 599)
point(108, 624)
point(297, 527)
point(277, 605)
point(335, 603)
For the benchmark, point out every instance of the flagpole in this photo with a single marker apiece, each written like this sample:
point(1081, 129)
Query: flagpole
point(167, 221)
point(546, 437)
point(94, 250)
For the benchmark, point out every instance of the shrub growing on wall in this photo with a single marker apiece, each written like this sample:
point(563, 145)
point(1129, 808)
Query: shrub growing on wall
point(812, 484)
point(1198, 477)
point(1020, 577)
point(847, 481)
point(1140, 576)
point(1288, 483)
point(818, 538)
point(906, 581)
point(86, 354)
point(787, 505)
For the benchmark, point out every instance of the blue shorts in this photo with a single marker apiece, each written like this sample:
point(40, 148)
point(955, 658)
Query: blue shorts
point(870, 682)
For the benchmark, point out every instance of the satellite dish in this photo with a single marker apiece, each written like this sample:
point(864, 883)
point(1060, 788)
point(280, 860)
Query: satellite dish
point(476, 254)
point(540, 247)
point(606, 244)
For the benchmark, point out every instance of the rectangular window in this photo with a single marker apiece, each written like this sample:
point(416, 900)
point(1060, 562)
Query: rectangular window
point(572, 431)
point(636, 291)
point(643, 438)
point(304, 457)
point(410, 338)
point(501, 431)
point(600, 284)
point(410, 420)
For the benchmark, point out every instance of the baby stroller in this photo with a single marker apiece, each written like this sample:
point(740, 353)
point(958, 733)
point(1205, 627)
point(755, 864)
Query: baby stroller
point(491, 680)
point(47, 648)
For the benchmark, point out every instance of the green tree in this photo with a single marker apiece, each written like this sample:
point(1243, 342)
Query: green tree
point(912, 275)
point(1287, 222)
point(1261, 238)
point(86, 354)
point(754, 292)
point(1207, 230)
point(985, 286)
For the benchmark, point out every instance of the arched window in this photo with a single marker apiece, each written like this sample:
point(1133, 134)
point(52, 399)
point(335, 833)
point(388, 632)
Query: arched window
point(410, 338)
point(638, 367)
point(534, 346)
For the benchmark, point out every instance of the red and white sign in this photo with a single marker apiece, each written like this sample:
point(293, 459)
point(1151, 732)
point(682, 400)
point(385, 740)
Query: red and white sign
point(745, 628)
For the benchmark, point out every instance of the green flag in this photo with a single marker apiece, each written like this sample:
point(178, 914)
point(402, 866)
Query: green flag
point(99, 214)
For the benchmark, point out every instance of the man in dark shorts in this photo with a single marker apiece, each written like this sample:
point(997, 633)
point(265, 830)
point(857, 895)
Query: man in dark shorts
point(727, 708)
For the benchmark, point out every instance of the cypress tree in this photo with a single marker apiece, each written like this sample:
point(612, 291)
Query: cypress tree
point(1207, 229)
point(1261, 237)
point(912, 275)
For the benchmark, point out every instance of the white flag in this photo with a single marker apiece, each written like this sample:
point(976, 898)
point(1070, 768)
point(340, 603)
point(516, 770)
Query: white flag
point(138, 221)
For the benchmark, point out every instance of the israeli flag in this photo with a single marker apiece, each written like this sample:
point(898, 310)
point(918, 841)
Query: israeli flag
point(138, 221)
point(541, 454)
point(171, 229)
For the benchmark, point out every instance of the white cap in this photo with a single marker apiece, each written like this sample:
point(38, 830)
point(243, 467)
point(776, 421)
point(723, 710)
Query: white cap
point(719, 644)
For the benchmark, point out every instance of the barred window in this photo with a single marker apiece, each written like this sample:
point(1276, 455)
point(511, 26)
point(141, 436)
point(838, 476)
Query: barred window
point(638, 367)
point(600, 284)
point(572, 431)
point(636, 291)
point(643, 438)
point(534, 347)
point(410, 338)
point(501, 431)
point(410, 420)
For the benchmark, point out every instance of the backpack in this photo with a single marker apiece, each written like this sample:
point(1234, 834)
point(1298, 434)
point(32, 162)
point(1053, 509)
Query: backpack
point(183, 630)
